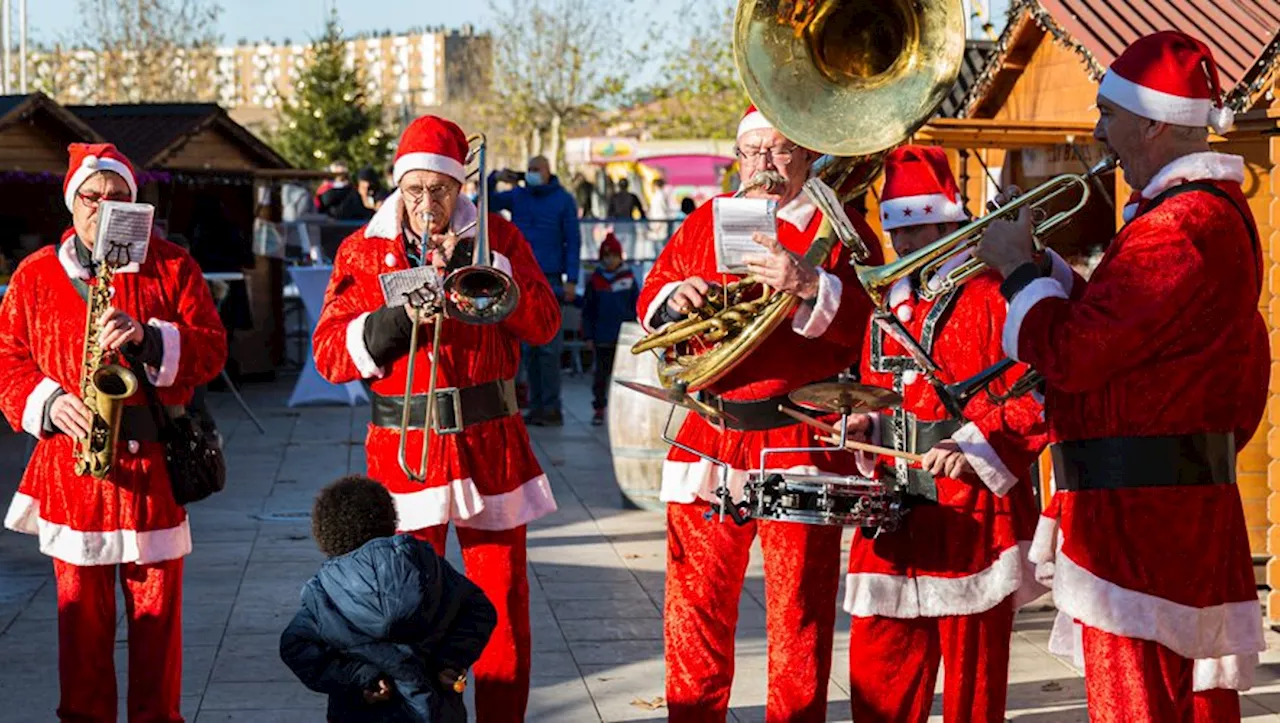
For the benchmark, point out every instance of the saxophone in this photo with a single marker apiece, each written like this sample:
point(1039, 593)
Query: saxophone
point(103, 387)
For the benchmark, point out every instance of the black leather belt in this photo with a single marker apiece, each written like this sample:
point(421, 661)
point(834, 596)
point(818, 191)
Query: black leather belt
point(456, 408)
point(753, 416)
point(1125, 462)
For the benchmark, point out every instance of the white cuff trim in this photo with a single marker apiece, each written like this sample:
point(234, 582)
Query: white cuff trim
point(33, 410)
point(172, 339)
point(1021, 305)
point(503, 264)
point(460, 502)
point(928, 596)
point(359, 353)
point(812, 321)
point(106, 547)
point(1061, 272)
point(984, 460)
point(658, 300)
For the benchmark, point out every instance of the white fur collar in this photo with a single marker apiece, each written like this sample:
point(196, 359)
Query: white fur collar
point(71, 264)
point(1208, 166)
point(386, 222)
point(798, 212)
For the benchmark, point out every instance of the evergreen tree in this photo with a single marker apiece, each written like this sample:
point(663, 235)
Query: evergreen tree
point(330, 118)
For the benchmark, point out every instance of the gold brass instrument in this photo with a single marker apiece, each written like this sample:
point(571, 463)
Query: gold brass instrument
point(930, 259)
point(103, 386)
point(479, 293)
point(846, 78)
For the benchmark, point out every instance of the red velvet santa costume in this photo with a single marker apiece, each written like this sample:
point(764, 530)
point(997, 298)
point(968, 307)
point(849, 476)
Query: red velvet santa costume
point(944, 586)
point(127, 521)
point(1157, 374)
point(707, 559)
point(484, 479)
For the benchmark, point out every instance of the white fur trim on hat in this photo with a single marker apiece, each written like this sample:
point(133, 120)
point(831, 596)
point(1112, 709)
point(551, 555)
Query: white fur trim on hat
point(753, 121)
point(919, 210)
point(429, 162)
point(1155, 104)
point(93, 164)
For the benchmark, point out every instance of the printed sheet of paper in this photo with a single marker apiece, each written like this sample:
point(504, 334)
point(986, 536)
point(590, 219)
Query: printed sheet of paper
point(124, 232)
point(736, 219)
point(399, 286)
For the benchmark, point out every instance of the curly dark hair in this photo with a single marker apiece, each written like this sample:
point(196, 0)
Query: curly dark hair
point(349, 512)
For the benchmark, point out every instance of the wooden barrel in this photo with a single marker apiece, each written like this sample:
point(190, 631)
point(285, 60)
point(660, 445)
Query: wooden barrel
point(635, 424)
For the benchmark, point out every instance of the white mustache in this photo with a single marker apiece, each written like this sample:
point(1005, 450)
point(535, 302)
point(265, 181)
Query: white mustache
point(766, 178)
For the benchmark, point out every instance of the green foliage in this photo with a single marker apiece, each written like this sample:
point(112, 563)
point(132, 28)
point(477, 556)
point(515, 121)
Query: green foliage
point(330, 118)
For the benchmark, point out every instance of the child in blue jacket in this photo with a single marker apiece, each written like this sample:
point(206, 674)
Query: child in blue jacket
point(387, 629)
point(610, 299)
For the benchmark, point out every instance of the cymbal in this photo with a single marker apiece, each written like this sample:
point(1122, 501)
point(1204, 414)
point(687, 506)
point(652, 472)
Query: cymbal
point(844, 397)
point(675, 396)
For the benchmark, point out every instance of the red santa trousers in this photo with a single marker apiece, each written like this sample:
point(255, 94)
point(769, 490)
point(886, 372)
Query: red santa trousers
point(1141, 681)
point(893, 666)
point(87, 639)
point(496, 561)
point(706, 565)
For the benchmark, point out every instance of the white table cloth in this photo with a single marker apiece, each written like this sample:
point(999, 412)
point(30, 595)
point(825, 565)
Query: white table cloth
point(313, 389)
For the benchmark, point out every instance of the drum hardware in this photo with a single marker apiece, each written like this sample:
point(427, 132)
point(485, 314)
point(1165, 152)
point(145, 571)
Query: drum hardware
point(844, 397)
point(838, 437)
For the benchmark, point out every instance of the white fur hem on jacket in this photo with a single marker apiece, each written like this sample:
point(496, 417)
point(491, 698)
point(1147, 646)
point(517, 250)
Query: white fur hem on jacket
point(461, 503)
point(813, 320)
point(1206, 166)
point(358, 352)
point(868, 594)
point(96, 547)
point(33, 409)
point(984, 460)
point(172, 345)
point(688, 482)
point(658, 300)
point(1216, 631)
point(1061, 272)
point(1021, 305)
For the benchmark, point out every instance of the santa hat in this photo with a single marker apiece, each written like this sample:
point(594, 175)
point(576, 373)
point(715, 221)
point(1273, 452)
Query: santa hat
point(919, 189)
point(752, 120)
point(1169, 77)
point(432, 143)
point(90, 158)
point(611, 244)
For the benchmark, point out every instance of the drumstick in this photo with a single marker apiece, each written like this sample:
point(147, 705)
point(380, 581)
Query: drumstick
point(848, 443)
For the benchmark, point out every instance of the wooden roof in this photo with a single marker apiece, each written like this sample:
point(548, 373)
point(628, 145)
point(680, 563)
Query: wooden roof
point(180, 136)
point(19, 108)
point(977, 53)
point(1244, 36)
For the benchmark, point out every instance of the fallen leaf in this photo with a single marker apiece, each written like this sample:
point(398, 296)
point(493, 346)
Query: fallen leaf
point(1052, 686)
point(654, 704)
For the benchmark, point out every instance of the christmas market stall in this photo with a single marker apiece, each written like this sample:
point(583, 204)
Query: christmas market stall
point(34, 134)
point(205, 174)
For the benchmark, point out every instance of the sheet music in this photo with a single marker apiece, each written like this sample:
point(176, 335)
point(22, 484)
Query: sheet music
point(399, 286)
point(736, 219)
point(124, 232)
point(827, 202)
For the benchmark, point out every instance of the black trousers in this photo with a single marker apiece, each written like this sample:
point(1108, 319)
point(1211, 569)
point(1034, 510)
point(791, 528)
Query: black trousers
point(604, 371)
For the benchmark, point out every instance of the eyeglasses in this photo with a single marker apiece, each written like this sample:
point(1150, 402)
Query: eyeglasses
point(93, 199)
point(779, 155)
point(415, 192)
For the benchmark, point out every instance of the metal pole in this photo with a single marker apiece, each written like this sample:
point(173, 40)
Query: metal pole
point(7, 32)
point(22, 46)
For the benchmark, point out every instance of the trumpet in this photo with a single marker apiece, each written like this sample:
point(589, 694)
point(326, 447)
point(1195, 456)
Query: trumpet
point(479, 293)
point(930, 259)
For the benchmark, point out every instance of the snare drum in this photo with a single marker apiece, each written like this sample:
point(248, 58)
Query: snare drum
point(823, 500)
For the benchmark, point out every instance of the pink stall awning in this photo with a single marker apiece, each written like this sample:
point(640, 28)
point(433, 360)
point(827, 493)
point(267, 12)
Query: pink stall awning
point(690, 170)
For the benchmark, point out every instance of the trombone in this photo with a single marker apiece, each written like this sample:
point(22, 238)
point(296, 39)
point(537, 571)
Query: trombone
point(930, 259)
point(479, 293)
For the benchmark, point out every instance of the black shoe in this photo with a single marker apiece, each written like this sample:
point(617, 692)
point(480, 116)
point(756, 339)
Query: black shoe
point(552, 419)
point(598, 418)
point(533, 419)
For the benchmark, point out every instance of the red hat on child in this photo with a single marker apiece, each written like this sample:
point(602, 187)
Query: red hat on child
point(432, 143)
point(611, 244)
point(90, 158)
point(919, 189)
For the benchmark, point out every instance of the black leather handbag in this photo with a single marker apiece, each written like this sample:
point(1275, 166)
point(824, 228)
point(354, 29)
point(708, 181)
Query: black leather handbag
point(192, 450)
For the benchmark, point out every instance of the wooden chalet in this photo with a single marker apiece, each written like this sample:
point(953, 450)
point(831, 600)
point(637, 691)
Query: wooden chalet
point(34, 135)
point(1030, 114)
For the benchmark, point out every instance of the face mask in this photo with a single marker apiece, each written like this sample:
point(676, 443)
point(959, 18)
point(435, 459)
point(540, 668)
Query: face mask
point(533, 178)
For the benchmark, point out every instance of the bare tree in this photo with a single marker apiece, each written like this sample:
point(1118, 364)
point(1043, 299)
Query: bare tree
point(554, 62)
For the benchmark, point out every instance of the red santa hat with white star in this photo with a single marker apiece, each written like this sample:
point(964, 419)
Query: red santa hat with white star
point(919, 189)
point(90, 158)
point(432, 143)
point(1169, 77)
point(752, 120)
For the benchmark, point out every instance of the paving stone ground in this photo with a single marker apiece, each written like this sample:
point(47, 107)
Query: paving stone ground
point(596, 578)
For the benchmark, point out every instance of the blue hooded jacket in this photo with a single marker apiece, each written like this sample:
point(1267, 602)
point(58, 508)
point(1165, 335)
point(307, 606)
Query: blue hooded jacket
point(390, 609)
point(609, 300)
point(547, 216)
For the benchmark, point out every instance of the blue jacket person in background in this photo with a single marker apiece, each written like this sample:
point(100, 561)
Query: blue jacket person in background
point(387, 629)
point(548, 217)
point(610, 299)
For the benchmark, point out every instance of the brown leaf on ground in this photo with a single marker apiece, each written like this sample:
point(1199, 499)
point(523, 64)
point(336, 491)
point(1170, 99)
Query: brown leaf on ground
point(654, 704)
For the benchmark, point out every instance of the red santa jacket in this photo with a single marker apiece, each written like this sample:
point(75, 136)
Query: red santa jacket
point(486, 476)
point(1164, 339)
point(967, 553)
point(822, 340)
point(130, 515)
